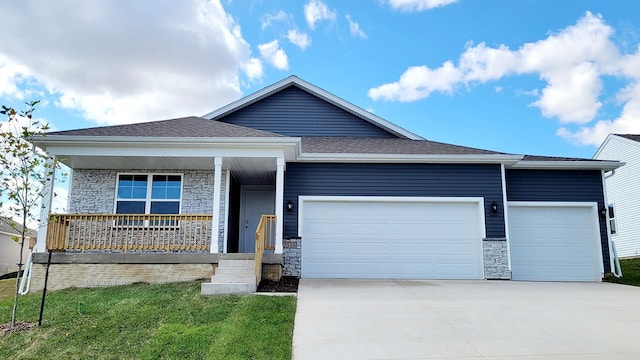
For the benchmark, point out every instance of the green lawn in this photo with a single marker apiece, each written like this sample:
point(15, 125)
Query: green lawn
point(630, 272)
point(170, 321)
point(7, 289)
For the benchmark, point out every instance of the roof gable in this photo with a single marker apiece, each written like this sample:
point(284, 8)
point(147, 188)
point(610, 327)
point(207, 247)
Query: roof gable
point(294, 107)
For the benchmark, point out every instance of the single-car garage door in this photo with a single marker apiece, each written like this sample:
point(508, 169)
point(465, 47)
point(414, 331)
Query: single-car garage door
point(399, 238)
point(554, 241)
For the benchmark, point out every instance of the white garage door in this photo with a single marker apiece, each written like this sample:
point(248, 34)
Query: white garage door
point(554, 242)
point(349, 237)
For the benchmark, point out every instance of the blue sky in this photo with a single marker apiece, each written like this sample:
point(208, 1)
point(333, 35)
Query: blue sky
point(526, 77)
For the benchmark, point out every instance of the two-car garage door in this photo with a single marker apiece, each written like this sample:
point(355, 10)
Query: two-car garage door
point(404, 238)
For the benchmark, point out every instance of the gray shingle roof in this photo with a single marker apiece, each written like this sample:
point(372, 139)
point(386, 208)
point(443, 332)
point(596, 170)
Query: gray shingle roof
point(633, 137)
point(367, 145)
point(553, 158)
point(182, 127)
point(11, 227)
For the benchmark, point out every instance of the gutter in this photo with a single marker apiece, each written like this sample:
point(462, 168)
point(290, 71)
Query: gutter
point(569, 165)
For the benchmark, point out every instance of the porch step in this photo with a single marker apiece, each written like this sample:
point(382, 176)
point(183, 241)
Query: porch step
point(232, 277)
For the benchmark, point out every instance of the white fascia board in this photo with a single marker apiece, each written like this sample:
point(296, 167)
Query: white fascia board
point(145, 146)
point(568, 165)
point(323, 94)
point(409, 158)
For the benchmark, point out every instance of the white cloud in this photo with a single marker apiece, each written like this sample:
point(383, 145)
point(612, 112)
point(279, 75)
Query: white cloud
point(418, 82)
point(572, 63)
point(627, 123)
point(253, 69)
point(298, 38)
point(267, 19)
point(316, 10)
point(571, 94)
point(354, 27)
point(418, 5)
point(274, 55)
point(135, 71)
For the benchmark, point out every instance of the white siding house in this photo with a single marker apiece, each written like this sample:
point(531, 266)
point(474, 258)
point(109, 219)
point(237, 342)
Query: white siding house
point(9, 248)
point(623, 191)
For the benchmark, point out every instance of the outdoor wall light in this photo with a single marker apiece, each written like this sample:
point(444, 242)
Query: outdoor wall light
point(289, 206)
point(494, 209)
point(603, 212)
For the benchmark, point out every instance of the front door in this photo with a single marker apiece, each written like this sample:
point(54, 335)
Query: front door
point(255, 202)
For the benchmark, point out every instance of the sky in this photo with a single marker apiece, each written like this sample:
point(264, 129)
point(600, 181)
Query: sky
point(539, 77)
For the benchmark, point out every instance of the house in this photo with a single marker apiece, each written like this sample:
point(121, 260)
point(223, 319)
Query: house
point(348, 194)
point(622, 192)
point(10, 233)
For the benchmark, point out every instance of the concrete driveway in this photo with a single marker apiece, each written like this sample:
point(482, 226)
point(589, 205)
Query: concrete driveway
point(389, 319)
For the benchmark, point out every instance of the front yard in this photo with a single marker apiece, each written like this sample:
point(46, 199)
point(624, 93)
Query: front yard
point(630, 272)
point(171, 321)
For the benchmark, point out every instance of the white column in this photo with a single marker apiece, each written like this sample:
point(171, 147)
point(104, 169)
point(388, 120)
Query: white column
point(217, 190)
point(279, 204)
point(505, 210)
point(47, 199)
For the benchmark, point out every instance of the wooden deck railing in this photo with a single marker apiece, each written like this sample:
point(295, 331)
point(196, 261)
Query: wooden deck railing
point(129, 232)
point(265, 240)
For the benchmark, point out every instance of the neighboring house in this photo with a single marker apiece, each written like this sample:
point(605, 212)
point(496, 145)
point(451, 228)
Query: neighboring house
point(354, 196)
point(623, 192)
point(10, 231)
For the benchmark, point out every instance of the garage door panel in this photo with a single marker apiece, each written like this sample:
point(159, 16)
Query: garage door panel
point(554, 243)
point(392, 240)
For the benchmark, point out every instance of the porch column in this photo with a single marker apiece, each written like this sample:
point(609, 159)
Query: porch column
point(279, 204)
point(217, 190)
point(47, 199)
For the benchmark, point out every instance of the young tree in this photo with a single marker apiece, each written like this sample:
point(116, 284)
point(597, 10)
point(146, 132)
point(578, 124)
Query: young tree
point(25, 171)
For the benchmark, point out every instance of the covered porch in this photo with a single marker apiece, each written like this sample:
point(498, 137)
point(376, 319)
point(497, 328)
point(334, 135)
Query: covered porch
point(215, 197)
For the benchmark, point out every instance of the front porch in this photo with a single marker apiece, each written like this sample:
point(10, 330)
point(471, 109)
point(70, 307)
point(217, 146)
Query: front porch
point(110, 249)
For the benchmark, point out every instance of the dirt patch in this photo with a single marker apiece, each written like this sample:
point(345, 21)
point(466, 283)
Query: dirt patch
point(20, 326)
point(286, 284)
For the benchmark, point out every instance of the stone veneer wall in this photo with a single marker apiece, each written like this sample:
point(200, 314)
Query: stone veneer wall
point(292, 259)
point(496, 259)
point(93, 192)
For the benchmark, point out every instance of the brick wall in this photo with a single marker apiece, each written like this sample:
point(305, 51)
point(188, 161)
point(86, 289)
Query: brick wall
point(62, 276)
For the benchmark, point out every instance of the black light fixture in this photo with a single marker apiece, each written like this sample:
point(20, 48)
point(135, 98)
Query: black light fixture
point(289, 206)
point(494, 209)
point(603, 212)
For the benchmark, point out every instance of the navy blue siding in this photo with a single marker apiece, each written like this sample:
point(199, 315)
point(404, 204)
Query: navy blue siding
point(295, 112)
point(395, 180)
point(560, 185)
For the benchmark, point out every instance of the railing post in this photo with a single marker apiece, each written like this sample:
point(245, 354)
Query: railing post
point(279, 204)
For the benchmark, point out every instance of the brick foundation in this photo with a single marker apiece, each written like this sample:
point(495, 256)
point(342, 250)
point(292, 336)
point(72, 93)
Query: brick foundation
point(108, 269)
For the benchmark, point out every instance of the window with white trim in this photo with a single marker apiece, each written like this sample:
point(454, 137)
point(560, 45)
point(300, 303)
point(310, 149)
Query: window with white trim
point(148, 194)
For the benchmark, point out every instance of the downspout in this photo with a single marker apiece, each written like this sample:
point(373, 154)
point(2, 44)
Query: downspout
point(614, 261)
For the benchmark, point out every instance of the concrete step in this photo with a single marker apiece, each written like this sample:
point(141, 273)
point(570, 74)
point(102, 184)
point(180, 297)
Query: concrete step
point(230, 279)
point(237, 264)
point(231, 288)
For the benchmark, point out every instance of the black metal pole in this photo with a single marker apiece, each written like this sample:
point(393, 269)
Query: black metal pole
point(44, 291)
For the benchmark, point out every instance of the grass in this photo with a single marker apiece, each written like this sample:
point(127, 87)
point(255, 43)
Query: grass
point(7, 289)
point(169, 321)
point(630, 272)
